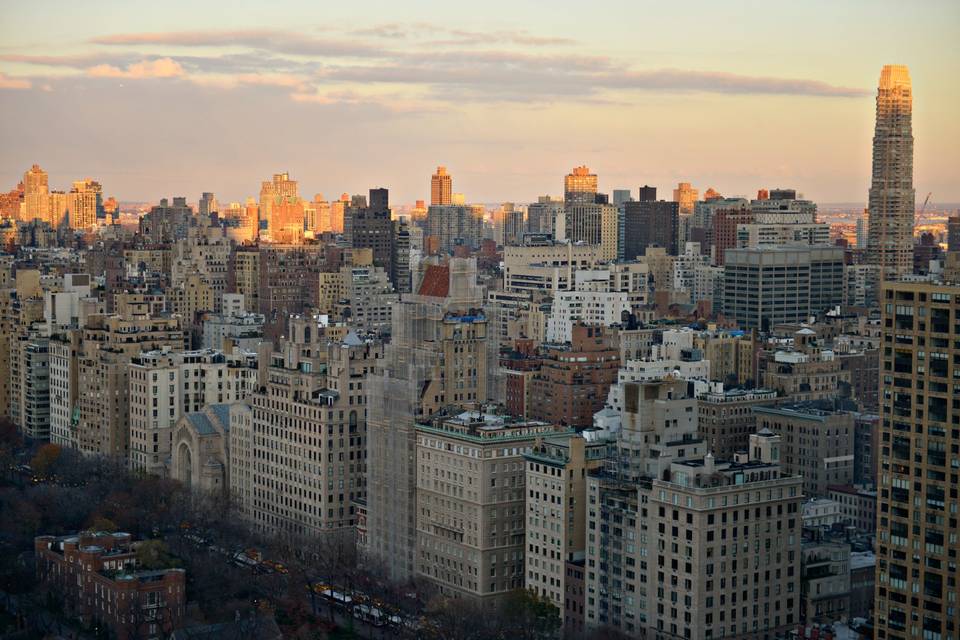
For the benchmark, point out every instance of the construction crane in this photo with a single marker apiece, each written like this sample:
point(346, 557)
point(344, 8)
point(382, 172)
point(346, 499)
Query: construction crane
point(924, 207)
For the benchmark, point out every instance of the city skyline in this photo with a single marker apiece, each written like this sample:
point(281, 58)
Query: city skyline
point(507, 100)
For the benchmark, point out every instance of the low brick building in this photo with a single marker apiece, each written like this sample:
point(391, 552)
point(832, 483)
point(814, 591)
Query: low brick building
point(97, 575)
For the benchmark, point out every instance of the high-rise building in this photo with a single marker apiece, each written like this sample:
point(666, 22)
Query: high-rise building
point(647, 193)
point(437, 357)
point(953, 233)
point(663, 522)
point(892, 196)
point(556, 517)
point(36, 194)
point(592, 223)
point(917, 532)
point(726, 418)
point(650, 223)
point(580, 186)
point(59, 208)
point(817, 443)
point(30, 384)
point(726, 223)
point(164, 224)
point(574, 378)
point(166, 384)
point(280, 189)
point(862, 223)
point(686, 196)
point(108, 344)
point(314, 389)
point(620, 196)
point(454, 225)
point(372, 228)
point(546, 216)
point(766, 286)
point(441, 187)
point(85, 203)
point(208, 204)
point(470, 526)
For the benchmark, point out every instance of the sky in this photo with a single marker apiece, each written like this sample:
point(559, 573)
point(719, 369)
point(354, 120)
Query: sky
point(157, 99)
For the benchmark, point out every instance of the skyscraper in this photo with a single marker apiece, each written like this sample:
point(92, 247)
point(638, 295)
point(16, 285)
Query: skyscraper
point(686, 196)
point(647, 193)
point(281, 187)
point(580, 186)
point(649, 222)
point(208, 204)
point(891, 200)
point(36, 194)
point(441, 187)
point(917, 528)
point(84, 202)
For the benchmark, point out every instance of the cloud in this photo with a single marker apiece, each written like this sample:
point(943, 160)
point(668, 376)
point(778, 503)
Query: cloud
point(7, 82)
point(449, 71)
point(460, 37)
point(392, 103)
point(279, 41)
point(158, 68)
point(284, 80)
point(731, 83)
point(78, 61)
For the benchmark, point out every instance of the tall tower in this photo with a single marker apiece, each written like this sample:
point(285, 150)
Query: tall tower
point(36, 194)
point(280, 189)
point(892, 197)
point(441, 187)
point(917, 532)
point(580, 186)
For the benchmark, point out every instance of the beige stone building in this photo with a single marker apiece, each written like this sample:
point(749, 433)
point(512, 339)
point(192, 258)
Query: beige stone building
point(438, 356)
point(244, 276)
point(594, 224)
point(103, 371)
point(470, 502)
point(309, 433)
point(709, 550)
point(805, 372)
point(167, 384)
point(818, 443)
point(200, 450)
point(556, 470)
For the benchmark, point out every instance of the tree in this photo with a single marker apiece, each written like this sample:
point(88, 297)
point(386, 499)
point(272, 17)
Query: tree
point(528, 615)
point(45, 459)
point(153, 555)
point(101, 523)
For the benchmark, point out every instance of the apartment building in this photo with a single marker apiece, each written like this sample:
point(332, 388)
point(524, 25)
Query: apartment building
point(165, 384)
point(817, 443)
point(574, 379)
point(470, 501)
point(726, 418)
point(765, 286)
point(309, 433)
point(556, 470)
point(917, 532)
point(438, 356)
point(707, 550)
point(98, 577)
point(107, 345)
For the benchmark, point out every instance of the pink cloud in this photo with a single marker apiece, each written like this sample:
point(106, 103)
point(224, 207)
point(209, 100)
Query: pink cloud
point(159, 68)
point(6, 82)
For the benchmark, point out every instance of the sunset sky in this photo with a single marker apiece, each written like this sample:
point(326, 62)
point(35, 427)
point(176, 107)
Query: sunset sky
point(171, 98)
